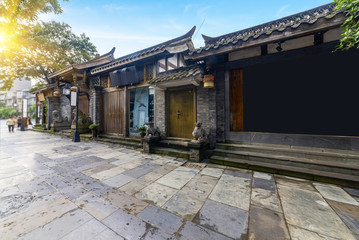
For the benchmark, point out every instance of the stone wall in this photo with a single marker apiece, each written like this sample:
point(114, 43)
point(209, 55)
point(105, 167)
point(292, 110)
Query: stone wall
point(95, 104)
point(65, 108)
point(220, 106)
point(206, 112)
point(160, 111)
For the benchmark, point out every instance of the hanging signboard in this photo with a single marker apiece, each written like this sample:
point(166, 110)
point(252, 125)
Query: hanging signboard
point(73, 99)
point(40, 97)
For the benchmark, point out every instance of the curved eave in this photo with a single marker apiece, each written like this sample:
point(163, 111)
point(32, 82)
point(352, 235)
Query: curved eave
point(259, 38)
point(145, 53)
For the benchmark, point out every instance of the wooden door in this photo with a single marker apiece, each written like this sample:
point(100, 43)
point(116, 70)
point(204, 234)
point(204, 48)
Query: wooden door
point(236, 100)
point(113, 112)
point(181, 112)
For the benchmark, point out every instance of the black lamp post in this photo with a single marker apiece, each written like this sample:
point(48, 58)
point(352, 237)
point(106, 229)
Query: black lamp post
point(76, 137)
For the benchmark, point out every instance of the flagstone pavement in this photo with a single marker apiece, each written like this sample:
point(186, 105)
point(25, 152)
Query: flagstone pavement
point(52, 188)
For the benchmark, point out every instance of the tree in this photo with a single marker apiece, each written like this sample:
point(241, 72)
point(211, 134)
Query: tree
point(53, 46)
point(350, 34)
point(6, 112)
point(33, 49)
point(31, 111)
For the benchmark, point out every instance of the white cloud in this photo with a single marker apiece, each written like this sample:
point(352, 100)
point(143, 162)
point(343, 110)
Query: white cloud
point(173, 25)
point(202, 11)
point(283, 11)
point(189, 6)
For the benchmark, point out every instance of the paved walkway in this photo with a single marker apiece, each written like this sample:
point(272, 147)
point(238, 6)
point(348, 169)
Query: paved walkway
point(52, 188)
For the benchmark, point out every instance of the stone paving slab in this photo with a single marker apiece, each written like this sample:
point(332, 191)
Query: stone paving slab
point(110, 189)
point(349, 214)
point(192, 231)
point(60, 227)
point(162, 219)
point(97, 207)
point(88, 230)
point(156, 194)
point(266, 224)
point(301, 234)
point(126, 225)
point(34, 218)
point(266, 199)
point(227, 220)
point(335, 193)
point(126, 202)
point(234, 191)
point(178, 177)
point(308, 210)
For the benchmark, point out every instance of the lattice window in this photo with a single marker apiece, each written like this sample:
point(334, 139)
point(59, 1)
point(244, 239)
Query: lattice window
point(149, 71)
point(104, 82)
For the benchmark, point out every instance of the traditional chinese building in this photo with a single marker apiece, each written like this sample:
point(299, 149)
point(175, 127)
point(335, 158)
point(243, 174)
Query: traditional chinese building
point(281, 85)
point(127, 100)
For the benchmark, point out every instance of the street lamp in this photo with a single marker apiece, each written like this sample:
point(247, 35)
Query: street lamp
point(76, 136)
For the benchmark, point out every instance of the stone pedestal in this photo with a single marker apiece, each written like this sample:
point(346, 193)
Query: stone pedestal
point(149, 142)
point(197, 150)
point(60, 126)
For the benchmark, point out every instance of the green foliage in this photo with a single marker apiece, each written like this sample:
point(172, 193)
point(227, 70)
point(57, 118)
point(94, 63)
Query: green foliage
point(94, 126)
point(33, 49)
point(37, 86)
point(142, 129)
point(31, 111)
point(350, 34)
point(6, 112)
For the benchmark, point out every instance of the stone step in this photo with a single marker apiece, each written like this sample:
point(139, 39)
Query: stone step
point(313, 174)
point(171, 152)
point(334, 166)
point(293, 151)
point(173, 143)
point(124, 142)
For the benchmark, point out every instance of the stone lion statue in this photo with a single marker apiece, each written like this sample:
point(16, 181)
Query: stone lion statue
point(56, 117)
point(199, 134)
point(152, 130)
point(83, 119)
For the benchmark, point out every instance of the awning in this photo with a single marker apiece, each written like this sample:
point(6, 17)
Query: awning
point(190, 75)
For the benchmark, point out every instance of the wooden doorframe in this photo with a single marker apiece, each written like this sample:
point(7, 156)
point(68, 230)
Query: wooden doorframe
point(182, 88)
point(229, 134)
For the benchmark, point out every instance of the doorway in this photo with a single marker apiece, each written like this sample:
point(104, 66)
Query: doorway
point(181, 112)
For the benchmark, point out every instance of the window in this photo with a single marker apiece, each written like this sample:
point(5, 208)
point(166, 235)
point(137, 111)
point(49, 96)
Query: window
point(141, 108)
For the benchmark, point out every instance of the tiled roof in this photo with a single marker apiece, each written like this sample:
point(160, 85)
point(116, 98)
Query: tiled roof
point(287, 23)
point(179, 73)
point(147, 52)
point(98, 60)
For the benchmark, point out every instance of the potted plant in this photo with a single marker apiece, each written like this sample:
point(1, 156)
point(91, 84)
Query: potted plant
point(93, 128)
point(142, 130)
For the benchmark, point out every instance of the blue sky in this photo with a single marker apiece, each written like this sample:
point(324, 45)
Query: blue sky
point(134, 25)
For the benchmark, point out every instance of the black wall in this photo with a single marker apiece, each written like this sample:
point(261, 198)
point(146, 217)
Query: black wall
point(313, 92)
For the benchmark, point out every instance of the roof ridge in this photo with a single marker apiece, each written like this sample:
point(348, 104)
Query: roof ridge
point(161, 45)
point(329, 6)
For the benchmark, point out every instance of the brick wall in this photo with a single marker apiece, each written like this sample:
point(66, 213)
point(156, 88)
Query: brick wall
point(95, 104)
point(160, 111)
point(206, 112)
point(65, 108)
point(220, 106)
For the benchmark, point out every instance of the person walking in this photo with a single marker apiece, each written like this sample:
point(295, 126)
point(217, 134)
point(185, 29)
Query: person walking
point(10, 123)
point(19, 122)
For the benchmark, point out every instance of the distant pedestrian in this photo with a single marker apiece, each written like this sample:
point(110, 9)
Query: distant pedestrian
point(10, 123)
point(19, 122)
